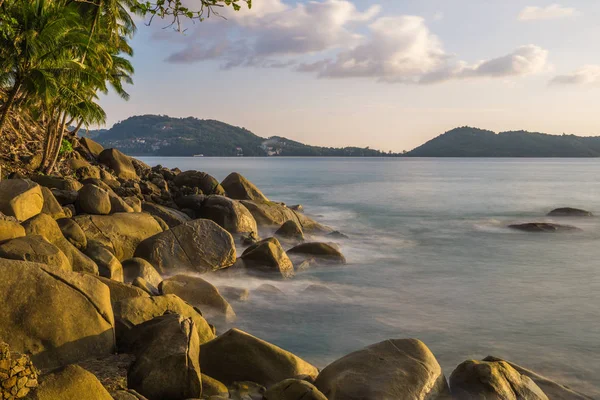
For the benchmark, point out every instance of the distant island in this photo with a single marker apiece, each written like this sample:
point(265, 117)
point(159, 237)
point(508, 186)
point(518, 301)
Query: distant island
point(159, 135)
point(473, 142)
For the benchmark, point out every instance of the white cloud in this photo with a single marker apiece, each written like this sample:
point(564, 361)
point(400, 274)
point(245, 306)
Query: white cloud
point(332, 39)
point(587, 75)
point(554, 11)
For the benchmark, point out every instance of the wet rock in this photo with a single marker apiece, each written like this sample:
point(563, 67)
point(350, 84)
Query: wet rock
point(492, 380)
point(274, 215)
point(81, 322)
point(36, 249)
point(234, 293)
point(290, 230)
point(319, 290)
point(337, 235)
point(171, 216)
point(200, 293)
point(139, 268)
point(294, 389)
point(93, 200)
point(108, 265)
point(167, 352)
point(266, 289)
point(239, 188)
point(268, 256)
point(20, 198)
point(70, 382)
point(72, 232)
point(322, 252)
point(543, 227)
point(200, 245)
point(569, 212)
point(389, 370)
point(119, 163)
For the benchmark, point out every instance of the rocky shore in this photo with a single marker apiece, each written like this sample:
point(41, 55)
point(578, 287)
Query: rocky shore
point(103, 297)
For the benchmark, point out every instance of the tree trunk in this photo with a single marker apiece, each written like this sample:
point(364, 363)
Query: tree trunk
point(48, 144)
point(60, 133)
point(9, 102)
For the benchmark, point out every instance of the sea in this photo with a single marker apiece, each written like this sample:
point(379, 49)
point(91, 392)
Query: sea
point(430, 257)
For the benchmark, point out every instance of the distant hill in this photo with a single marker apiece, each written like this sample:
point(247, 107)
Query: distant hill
point(473, 142)
point(165, 136)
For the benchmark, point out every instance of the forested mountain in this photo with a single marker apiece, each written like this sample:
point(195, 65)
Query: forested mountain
point(166, 136)
point(473, 142)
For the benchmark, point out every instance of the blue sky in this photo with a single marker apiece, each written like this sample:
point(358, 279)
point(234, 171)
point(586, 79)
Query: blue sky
point(388, 74)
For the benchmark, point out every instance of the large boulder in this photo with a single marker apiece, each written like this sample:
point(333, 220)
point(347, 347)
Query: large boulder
point(268, 256)
point(212, 387)
point(239, 356)
point(199, 245)
point(47, 227)
point(136, 310)
point(569, 212)
point(291, 231)
point(544, 227)
point(65, 197)
point(239, 188)
point(51, 206)
point(92, 147)
point(492, 380)
point(121, 232)
point(199, 293)
point(10, 229)
point(119, 163)
point(553, 390)
point(57, 182)
point(230, 214)
point(121, 291)
point(108, 265)
point(68, 315)
point(293, 389)
point(118, 205)
point(389, 370)
point(20, 198)
point(201, 180)
point(70, 382)
point(36, 249)
point(139, 268)
point(167, 352)
point(171, 216)
point(273, 215)
point(93, 200)
point(322, 252)
point(72, 232)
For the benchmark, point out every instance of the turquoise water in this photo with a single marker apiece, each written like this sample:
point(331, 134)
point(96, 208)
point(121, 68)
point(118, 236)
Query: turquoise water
point(430, 257)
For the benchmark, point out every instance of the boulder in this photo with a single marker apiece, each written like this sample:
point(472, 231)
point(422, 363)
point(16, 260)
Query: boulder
point(51, 206)
point(20, 198)
point(93, 200)
point(274, 215)
point(230, 214)
point(492, 380)
point(47, 227)
point(108, 265)
point(238, 356)
point(322, 252)
point(83, 169)
point(212, 387)
point(36, 249)
point(93, 147)
point(122, 232)
point(57, 182)
point(389, 370)
point(167, 350)
point(266, 289)
point(72, 232)
point(69, 315)
point(121, 291)
point(146, 286)
point(171, 216)
point(239, 188)
point(542, 227)
point(293, 389)
point(10, 229)
point(234, 293)
point(201, 180)
point(134, 203)
point(136, 310)
point(119, 163)
point(118, 205)
point(71, 382)
point(199, 293)
point(553, 390)
point(319, 290)
point(291, 230)
point(337, 235)
point(569, 212)
point(199, 245)
point(268, 256)
point(139, 268)
point(65, 197)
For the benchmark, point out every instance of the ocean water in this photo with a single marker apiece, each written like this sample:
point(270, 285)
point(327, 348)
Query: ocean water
point(430, 257)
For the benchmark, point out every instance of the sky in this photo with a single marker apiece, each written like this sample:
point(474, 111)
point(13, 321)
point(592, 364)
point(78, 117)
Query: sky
point(389, 74)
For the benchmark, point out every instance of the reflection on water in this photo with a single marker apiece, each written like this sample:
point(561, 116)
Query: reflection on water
point(430, 257)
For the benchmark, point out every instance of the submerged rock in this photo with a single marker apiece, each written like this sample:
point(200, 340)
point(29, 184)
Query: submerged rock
point(569, 212)
point(389, 370)
point(235, 293)
point(543, 227)
point(492, 380)
point(321, 252)
point(238, 356)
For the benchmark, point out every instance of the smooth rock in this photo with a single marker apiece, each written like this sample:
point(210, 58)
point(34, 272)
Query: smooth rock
point(294, 389)
point(542, 227)
point(200, 245)
point(201, 180)
point(51, 206)
point(71, 382)
point(139, 268)
point(72, 232)
point(322, 252)
point(10, 230)
point(268, 256)
point(389, 370)
point(57, 182)
point(118, 205)
point(171, 216)
point(121, 291)
point(212, 387)
point(93, 147)
point(108, 265)
point(35, 248)
point(239, 188)
point(20, 198)
point(273, 215)
point(230, 214)
point(146, 286)
point(119, 163)
point(238, 356)
point(290, 230)
point(93, 200)
point(569, 212)
point(234, 293)
point(65, 197)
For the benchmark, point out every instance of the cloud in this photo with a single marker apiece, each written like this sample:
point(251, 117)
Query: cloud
point(587, 75)
point(554, 11)
point(333, 39)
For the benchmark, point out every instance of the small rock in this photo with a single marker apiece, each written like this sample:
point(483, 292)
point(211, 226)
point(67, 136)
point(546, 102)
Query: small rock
point(569, 212)
point(543, 227)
